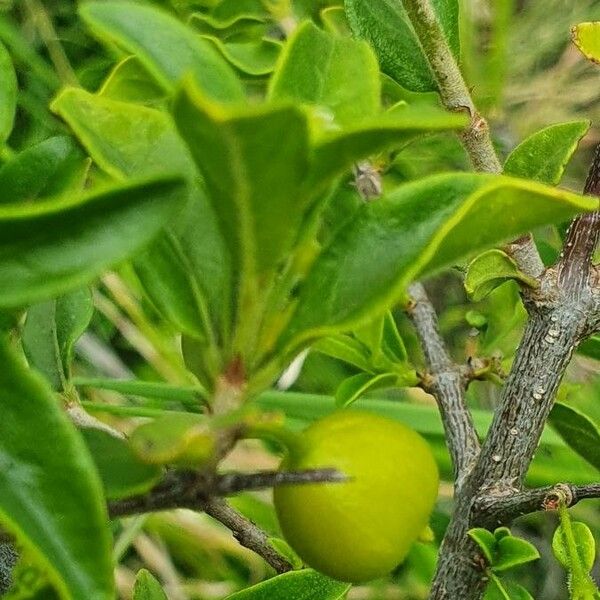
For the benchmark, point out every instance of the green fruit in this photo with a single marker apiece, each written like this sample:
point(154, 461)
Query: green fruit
point(358, 530)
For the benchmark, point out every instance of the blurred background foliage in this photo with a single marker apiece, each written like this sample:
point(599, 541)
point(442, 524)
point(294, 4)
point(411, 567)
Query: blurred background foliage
point(525, 75)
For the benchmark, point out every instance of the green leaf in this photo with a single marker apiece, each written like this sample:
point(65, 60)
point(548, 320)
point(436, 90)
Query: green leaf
point(285, 550)
point(416, 230)
point(585, 546)
point(591, 347)
point(299, 585)
point(122, 473)
point(578, 430)
point(486, 541)
point(334, 20)
point(491, 269)
point(50, 332)
point(128, 140)
point(354, 387)
point(392, 343)
point(56, 245)
point(229, 12)
point(586, 36)
point(8, 94)
point(147, 587)
point(330, 72)
point(130, 82)
point(500, 590)
point(167, 48)
point(513, 551)
point(50, 495)
point(544, 155)
point(574, 547)
point(253, 58)
point(501, 532)
point(167, 277)
point(123, 139)
point(253, 175)
point(371, 334)
point(46, 169)
point(386, 26)
point(336, 152)
point(496, 590)
point(345, 348)
point(255, 180)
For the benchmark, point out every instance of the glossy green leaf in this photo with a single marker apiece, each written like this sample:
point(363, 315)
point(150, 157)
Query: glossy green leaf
point(50, 495)
point(371, 334)
point(8, 94)
point(511, 552)
point(123, 139)
point(386, 26)
point(130, 82)
point(501, 532)
point(586, 36)
point(128, 140)
point(500, 590)
point(253, 58)
point(392, 343)
point(334, 20)
point(416, 230)
point(299, 585)
point(50, 332)
point(56, 245)
point(147, 587)
point(544, 155)
point(345, 348)
point(122, 473)
point(167, 277)
point(254, 176)
point(167, 48)
point(578, 430)
point(585, 546)
point(285, 550)
point(491, 269)
point(486, 541)
point(354, 387)
point(334, 73)
point(228, 12)
point(46, 169)
point(336, 152)
point(591, 347)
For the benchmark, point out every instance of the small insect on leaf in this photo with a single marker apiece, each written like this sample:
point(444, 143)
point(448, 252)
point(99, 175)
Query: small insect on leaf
point(367, 180)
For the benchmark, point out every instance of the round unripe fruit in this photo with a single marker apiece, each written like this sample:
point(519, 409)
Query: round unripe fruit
point(362, 528)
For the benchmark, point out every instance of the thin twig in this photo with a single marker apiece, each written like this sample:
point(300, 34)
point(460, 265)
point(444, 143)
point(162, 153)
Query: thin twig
point(447, 382)
point(582, 237)
point(499, 510)
point(247, 533)
point(188, 489)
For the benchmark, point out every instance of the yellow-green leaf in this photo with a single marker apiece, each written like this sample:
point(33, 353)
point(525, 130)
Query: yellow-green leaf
point(586, 36)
